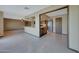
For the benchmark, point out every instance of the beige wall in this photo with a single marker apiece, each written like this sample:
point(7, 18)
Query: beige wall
point(54, 30)
point(33, 30)
point(64, 24)
point(74, 27)
point(1, 24)
point(11, 24)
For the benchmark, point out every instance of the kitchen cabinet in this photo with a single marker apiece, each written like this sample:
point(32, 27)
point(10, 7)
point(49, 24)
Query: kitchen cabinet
point(43, 29)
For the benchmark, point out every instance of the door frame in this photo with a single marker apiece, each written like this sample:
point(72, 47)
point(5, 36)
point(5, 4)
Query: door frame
point(67, 6)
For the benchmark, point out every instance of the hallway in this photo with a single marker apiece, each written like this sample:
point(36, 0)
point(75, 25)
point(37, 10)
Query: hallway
point(20, 42)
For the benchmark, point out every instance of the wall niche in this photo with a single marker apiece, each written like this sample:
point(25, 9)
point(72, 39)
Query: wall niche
point(30, 21)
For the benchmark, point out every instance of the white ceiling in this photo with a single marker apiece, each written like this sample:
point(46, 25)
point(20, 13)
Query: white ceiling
point(18, 11)
point(58, 13)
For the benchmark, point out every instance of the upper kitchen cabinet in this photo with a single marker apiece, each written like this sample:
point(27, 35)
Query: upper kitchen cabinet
point(1, 24)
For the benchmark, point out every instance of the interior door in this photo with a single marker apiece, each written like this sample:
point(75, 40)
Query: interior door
point(50, 25)
point(59, 25)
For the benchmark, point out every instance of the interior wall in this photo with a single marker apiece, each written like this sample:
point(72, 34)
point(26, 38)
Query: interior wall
point(74, 27)
point(12, 24)
point(1, 24)
point(64, 24)
point(54, 24)
point(33, 30)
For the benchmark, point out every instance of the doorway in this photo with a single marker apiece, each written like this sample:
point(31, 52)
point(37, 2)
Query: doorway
point(59, 25)
point(50, 25)
point(56, 21)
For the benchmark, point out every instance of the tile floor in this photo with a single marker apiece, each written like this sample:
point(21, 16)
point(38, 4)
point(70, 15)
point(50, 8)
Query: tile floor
point(20, 42)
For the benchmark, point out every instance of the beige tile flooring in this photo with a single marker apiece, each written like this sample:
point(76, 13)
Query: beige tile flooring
point(20, 42)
